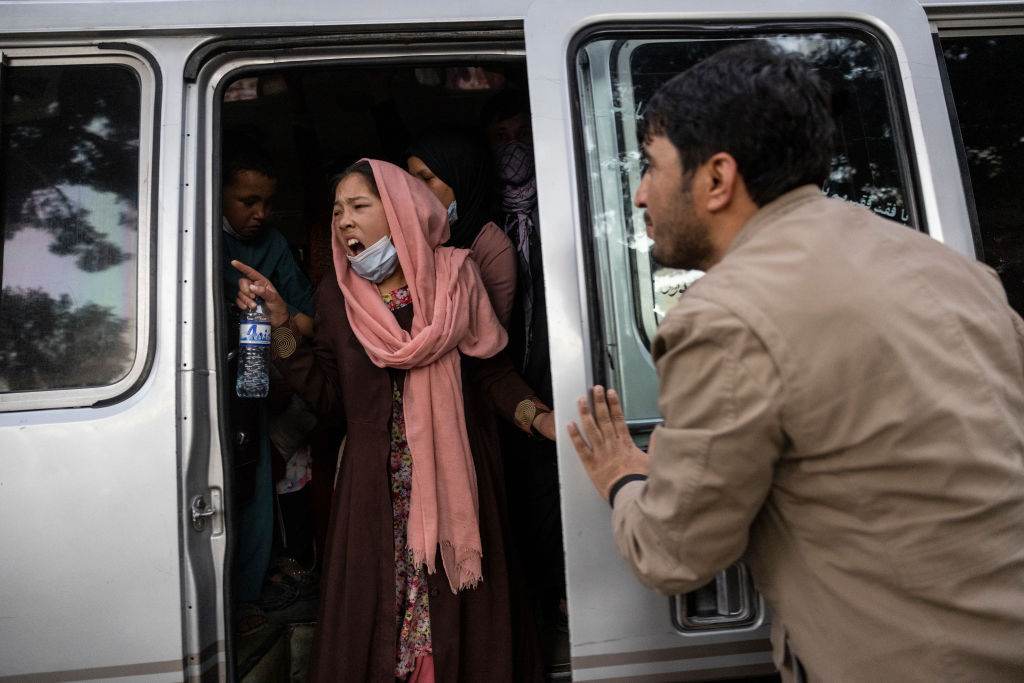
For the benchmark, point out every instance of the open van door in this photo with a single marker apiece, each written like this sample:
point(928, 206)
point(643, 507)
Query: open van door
point(592, 66)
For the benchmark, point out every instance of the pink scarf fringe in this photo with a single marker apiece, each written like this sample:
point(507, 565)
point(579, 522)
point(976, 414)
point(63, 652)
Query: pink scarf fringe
point(451, 314)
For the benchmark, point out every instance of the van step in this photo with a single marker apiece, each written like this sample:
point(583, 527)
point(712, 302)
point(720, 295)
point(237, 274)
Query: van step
point(282, 652)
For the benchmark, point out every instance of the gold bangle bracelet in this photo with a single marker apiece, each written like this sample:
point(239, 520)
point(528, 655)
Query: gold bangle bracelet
point(526, 413)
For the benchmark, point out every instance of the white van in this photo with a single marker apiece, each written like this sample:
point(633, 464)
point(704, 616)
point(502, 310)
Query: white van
point(115, 525)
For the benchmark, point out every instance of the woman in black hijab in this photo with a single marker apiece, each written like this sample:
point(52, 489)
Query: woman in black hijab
point(458, 162)
point(457, 170)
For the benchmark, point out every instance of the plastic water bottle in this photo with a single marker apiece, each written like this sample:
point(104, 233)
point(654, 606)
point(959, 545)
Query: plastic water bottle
point(253, 351)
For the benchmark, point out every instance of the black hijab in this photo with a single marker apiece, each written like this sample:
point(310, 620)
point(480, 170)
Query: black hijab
point(462, 163)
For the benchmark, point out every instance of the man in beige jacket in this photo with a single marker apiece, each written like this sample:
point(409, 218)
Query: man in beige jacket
point(842, 399)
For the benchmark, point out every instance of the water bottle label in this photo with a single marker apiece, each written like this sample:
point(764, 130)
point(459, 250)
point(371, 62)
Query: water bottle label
point(254, 334)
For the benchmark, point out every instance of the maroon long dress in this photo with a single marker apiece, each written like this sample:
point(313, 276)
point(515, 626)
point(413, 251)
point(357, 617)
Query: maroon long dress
point(483, 634)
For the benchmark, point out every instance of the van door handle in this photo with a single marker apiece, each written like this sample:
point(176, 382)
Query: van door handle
point(200, 511)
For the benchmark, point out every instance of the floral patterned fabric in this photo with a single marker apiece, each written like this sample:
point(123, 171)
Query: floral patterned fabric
point(411, 590)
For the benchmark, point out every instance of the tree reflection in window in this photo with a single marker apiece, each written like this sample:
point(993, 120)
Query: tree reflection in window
point(70, 145)
point(866, 167)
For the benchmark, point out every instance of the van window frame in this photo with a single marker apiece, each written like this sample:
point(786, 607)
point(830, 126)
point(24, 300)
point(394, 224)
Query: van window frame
point(145, 68)
point(896, 100)
point(213, 76)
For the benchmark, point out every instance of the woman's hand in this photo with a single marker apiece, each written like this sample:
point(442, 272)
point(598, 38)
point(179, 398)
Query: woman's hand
point(253, 285)
point(544, 424)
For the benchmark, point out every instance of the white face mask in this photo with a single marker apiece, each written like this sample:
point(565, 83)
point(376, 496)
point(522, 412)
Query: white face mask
point(377, 262)
point(453, 212)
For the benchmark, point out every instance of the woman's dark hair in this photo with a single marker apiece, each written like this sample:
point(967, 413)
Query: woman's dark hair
point(462, 162)
point(361, 167)
point(504, 105)
point(241, 152)
point(766, 108)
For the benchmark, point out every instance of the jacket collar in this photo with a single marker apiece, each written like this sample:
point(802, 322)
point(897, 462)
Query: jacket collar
point(780, 206)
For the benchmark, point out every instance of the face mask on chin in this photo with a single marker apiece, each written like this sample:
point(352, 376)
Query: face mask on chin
point(453, 212)
point(377, 262)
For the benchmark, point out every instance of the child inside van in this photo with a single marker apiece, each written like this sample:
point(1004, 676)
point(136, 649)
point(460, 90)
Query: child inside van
point(249, 184)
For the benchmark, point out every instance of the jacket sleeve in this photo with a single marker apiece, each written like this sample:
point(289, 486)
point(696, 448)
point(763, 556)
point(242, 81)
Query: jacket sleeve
point(312, 370)
point(496, 257)
point(290, 281)
point(711, 460)
point(500, 384)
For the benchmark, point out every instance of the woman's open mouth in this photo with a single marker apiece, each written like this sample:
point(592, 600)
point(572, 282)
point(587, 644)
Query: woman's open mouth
point(354, 246)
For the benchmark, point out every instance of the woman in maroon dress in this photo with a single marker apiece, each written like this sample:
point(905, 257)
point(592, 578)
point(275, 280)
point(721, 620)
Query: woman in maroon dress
point(416, 585)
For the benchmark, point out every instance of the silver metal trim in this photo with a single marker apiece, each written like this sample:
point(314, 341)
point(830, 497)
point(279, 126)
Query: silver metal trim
point(172, 666)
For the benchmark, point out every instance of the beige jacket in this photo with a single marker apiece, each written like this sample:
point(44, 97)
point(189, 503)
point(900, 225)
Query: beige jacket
point(843, 402)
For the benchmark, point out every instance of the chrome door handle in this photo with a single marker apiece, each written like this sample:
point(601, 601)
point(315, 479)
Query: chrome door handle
point(200, 511)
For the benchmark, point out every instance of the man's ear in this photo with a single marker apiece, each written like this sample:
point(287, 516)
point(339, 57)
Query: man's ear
point(723, 182)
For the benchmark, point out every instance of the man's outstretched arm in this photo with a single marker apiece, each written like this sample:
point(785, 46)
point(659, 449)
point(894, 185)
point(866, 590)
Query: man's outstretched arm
point(710, 464)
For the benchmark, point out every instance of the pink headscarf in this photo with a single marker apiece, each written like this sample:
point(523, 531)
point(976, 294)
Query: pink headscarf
point(451, 314)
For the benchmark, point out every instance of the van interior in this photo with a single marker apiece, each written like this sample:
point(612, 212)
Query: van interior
point(312, 122)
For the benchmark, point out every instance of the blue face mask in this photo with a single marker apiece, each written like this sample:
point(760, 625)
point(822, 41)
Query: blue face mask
point(377, 262)
point(453, 212)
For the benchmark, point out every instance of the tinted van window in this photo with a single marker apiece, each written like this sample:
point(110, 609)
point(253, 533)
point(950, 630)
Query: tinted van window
point(984, 77)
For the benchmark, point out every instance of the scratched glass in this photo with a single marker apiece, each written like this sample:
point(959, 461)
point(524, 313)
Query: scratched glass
point(70, 167)
point(617, 77)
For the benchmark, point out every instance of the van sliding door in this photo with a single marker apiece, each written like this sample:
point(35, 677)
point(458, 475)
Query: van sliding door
point(90, 585)
point(592, 67)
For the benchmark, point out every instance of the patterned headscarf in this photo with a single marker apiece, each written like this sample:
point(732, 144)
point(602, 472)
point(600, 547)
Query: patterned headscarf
point(519, 204)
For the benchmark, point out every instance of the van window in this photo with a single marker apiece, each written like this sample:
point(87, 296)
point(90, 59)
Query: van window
point(990, 110)
point(70, 193)
point(618, 75)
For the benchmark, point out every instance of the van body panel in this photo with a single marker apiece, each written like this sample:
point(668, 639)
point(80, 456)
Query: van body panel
point(135, 17)
point(626, 631)
point(90, 575)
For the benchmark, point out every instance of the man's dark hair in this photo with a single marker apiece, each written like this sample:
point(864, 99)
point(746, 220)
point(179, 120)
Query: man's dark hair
point(241, 152)
point(764, 107)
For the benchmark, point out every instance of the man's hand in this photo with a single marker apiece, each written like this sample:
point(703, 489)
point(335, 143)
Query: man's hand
point(611, 453)
point(253, 285)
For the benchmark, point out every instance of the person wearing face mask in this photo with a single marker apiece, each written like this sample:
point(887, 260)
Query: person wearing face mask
point(532, 477)
point(457, 170)
point(506, 124)
point(406, 354)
